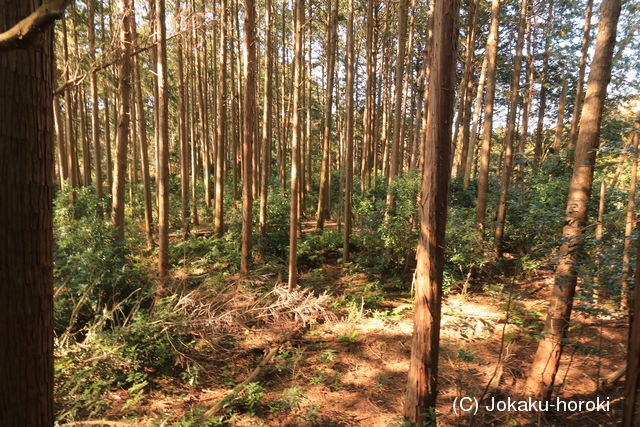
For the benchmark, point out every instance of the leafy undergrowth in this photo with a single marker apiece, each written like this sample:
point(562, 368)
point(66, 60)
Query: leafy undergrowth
point(348, 368)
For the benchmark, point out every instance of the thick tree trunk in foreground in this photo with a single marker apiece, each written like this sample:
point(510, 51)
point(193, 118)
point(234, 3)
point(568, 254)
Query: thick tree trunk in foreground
point(485, 150)
point(423, 370)
point(26, 264)
point(249, 131)
point(547, 358)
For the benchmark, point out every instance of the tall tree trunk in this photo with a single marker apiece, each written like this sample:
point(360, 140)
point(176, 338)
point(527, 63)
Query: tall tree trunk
point(330, 49)
point(630, 225)
point(399, 73)
point(295, 145)
point(266, 122)
point(629, 416)
point(577, 102)
point(542, 104)
point(182, 127)
point(557, 140)
point(485, 149)
point(423, 369)
point(547, 358)
point(369, 112)
point(221, 134)
point(95, 121)
point(526, 102)
point(122, 138)
point(249, 127)
point(26, 261)
point(465, 102)
point(163, 151)
point(143, 144)
point(510, 132)
point(348, 143)
point(71, 142)
point(473, 132)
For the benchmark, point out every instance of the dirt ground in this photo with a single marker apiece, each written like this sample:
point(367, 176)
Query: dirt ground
point(351, 371)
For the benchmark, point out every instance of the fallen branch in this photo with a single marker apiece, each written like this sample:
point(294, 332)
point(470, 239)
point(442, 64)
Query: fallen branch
point(23, 33)
point(616, 375)
point(255, 374)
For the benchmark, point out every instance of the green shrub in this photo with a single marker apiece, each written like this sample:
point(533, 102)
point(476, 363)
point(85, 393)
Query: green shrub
point(93, 270)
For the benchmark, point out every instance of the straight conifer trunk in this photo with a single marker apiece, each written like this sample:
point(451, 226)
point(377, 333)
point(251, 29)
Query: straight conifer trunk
point(423, 371)
point(26, 230)
point(485, 150)
point(547, 358)
point(249, 131)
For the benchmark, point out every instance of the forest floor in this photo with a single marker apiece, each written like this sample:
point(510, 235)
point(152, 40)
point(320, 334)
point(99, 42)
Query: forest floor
point(350, 369)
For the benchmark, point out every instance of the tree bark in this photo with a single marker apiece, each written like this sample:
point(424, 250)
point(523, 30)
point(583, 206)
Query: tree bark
point(510, 132)
point(348, 159)
point(221, 134)
point(295, 144)
point(485, 150)
point(163, 151)
point(423, 369)
point(249, 127)
point(122, 138)
point(630, 225)
point(26, 190)
point(577, 103)
point(399, 73)
point(547, 358)
point(267, 130)
point(557, 140)
point(95, 121)
point(330, 49)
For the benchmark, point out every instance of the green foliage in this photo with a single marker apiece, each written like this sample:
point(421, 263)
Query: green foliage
point(94, 272)
point(121, 360)
point(318, 248)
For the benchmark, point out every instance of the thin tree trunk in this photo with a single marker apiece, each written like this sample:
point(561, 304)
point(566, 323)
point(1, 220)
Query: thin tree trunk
point(473, 132)
point(221, 134)
point(547, 358)
point(266, 123)
point(348, 143)
point(95, 121)
point(422, 381)
point(248, 142)
point(629, 228)
point(295, 145)
point(557, 141)
point(122, 138)
point(143, 145)
point(577, 103)
point(542, 106)
point(399, 73)
point(510, 132)
point(485, 149)
point(182, 128)
point(163, 151)
point(331, 45)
